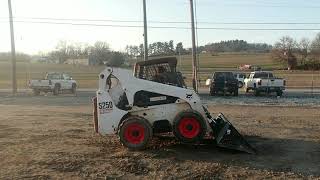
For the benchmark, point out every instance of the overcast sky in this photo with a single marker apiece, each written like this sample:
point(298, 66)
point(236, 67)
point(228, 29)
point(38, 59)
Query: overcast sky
point(33, 37)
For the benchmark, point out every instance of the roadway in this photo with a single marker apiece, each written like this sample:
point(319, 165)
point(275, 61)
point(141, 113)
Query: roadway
point(291, 97)
point(202, 91)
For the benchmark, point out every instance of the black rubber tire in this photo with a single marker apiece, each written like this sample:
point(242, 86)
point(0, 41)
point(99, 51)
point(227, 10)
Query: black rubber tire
point(212, 92)
point(189, 114)
point(36, 92)
point(240, 84)
point(147, 135)
point(236, 92)
point(256, 92)
point(279, 93)
point(74, 88)
point(56, 89)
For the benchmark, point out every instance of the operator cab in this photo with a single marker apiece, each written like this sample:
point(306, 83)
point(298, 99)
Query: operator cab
point(161, 70)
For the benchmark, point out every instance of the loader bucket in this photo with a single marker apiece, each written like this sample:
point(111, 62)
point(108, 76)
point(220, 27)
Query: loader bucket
point(226, 136)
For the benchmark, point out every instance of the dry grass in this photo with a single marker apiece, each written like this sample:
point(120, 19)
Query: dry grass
point(229, 61)
point(36, 145)
point(87, 76)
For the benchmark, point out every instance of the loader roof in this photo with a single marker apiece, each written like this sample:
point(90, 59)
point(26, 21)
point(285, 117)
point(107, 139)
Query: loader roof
point(148, 69)
point(172, 61)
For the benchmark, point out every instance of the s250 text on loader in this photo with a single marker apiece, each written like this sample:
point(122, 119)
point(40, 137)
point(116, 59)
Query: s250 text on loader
point(153, 100)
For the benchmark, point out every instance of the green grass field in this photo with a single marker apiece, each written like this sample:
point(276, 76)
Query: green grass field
point(87, 75)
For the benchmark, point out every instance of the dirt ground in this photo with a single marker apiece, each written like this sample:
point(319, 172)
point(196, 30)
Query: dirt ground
point(45, 141)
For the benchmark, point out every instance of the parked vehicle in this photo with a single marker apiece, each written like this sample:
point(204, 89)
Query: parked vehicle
point(240, 77)
point(224, 82)
point(264, 81)
point(54, 82)
point(245, 67)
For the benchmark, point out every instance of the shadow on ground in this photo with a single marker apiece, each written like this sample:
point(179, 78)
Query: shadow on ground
point(279, 155)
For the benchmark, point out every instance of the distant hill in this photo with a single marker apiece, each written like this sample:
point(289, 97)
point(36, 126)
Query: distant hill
point(5, 56)
point(236, 46)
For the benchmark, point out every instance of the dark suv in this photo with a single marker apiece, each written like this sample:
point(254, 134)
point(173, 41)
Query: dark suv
point(223, 82)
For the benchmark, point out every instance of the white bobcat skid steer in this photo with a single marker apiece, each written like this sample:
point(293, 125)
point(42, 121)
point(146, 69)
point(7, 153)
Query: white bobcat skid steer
point(153, 100)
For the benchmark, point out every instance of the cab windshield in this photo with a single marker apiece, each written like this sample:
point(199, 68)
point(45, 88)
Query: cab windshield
point(223, 75)
point(53, 76)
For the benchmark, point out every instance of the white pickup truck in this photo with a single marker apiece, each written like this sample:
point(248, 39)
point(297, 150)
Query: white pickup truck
point(264, 81)
point(54, 82)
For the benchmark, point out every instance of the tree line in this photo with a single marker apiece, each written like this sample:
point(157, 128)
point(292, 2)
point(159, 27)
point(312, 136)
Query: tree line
point(156, 49)
point(298, 54)
point(169, 48)
point(303, 54)
point(98, 54)
point(295, 54)
point(237, 46)
point(20, 57)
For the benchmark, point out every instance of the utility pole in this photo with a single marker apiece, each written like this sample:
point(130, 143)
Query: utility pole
point(180, 59)
point(145, 31)
point(13, 51)
point(194, 51)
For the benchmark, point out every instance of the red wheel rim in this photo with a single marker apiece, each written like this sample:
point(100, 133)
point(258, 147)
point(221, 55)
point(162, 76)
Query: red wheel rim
point(189, 127)
point(134, 133)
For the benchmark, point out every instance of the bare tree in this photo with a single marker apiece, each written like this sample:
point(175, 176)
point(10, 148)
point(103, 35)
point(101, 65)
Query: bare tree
point(116, 59)
point(101, 52)
point(315, 47)
point(304, 48)
point(283, 51)
point(61, 51)
point(286, 43)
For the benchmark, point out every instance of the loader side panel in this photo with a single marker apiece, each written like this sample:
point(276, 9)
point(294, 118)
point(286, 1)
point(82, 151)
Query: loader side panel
point(146, 98)
point(109, 115)
point(161, 112)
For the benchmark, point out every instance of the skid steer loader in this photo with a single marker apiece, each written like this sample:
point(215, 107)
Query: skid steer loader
point(154, 100)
